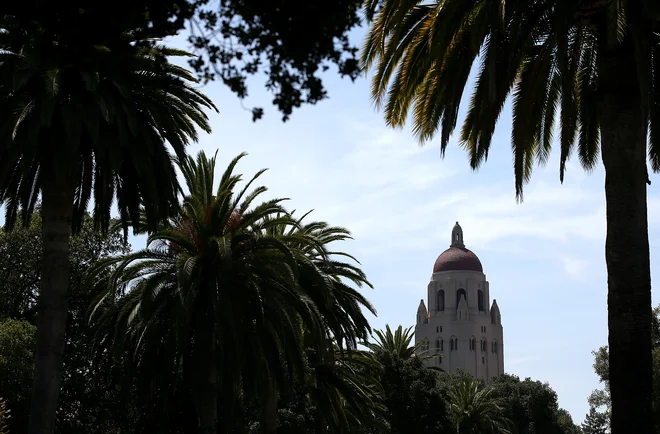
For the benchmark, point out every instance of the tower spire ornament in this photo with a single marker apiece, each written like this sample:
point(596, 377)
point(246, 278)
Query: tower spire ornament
point(457, 237)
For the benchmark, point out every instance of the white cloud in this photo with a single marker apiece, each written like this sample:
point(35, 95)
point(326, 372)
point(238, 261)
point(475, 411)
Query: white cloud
point(576, 268)
point(393, 194)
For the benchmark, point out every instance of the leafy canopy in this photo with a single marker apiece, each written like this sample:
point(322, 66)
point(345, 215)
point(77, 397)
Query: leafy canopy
point(233, 40)
point(95, 115)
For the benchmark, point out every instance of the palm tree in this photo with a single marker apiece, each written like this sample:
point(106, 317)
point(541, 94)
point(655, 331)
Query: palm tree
point(326, 279)
point(595, 62)
point(85, 118)
point(345, 390)
point(474, 411)
point(397, 344)
point(218, 296)
point(210, 293)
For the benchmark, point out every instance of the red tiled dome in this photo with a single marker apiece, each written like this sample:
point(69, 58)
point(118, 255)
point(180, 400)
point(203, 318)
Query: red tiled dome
point(457, 259)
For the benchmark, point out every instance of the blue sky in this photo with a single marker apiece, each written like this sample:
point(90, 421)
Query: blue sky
point(544, 258)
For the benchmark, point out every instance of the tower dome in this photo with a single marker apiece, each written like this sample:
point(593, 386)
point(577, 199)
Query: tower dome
point(457, 257)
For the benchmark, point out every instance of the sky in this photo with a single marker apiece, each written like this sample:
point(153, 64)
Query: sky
point(544, 257)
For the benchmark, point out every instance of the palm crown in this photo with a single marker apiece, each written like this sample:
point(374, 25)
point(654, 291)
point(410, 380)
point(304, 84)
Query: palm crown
point(96, 118)
point(474, 411)
point(543, 53)
point(397, 344)
point(227, 290)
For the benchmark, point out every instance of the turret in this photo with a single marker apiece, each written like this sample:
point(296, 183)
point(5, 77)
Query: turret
point(495, 317)
point(422, 313)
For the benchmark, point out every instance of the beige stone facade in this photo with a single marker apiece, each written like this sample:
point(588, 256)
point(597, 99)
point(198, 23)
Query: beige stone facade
point(457, 323)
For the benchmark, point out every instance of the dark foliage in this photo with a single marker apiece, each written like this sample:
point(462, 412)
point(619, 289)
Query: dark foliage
point(291, 41)
point(414, 400)
point(531, 405)
point(88, 401)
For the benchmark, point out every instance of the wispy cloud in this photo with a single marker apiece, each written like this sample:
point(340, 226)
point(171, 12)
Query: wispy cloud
point(393, 194)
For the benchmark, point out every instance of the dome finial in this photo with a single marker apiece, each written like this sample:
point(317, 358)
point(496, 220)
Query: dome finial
point(457, 236)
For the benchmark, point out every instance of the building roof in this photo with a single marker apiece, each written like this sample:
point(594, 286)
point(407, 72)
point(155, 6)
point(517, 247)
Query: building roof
point(457, 259)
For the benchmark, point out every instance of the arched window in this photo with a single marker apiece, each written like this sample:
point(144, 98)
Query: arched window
point(441, 301)
point(451, 342)
point(442, 345)
point(437, 344)
point(459, 293)
point(480, 300)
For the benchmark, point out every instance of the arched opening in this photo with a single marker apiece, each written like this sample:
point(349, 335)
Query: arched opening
point(441, 301)
point(459, 293)
point(480, 300)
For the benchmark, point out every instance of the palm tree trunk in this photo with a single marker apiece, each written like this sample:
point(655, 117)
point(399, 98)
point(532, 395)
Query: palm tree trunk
point(623, 143)
point(269, 420)
point(205, 360)
point(57, 209)
point(208, 408)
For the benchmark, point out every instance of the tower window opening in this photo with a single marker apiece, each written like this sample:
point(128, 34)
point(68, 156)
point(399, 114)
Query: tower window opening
point(459, 293)
point(483, 360)
point(441, 301)
point(480, 300)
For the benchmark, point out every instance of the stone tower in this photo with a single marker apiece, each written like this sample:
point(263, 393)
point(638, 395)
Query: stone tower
point(458, 326)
